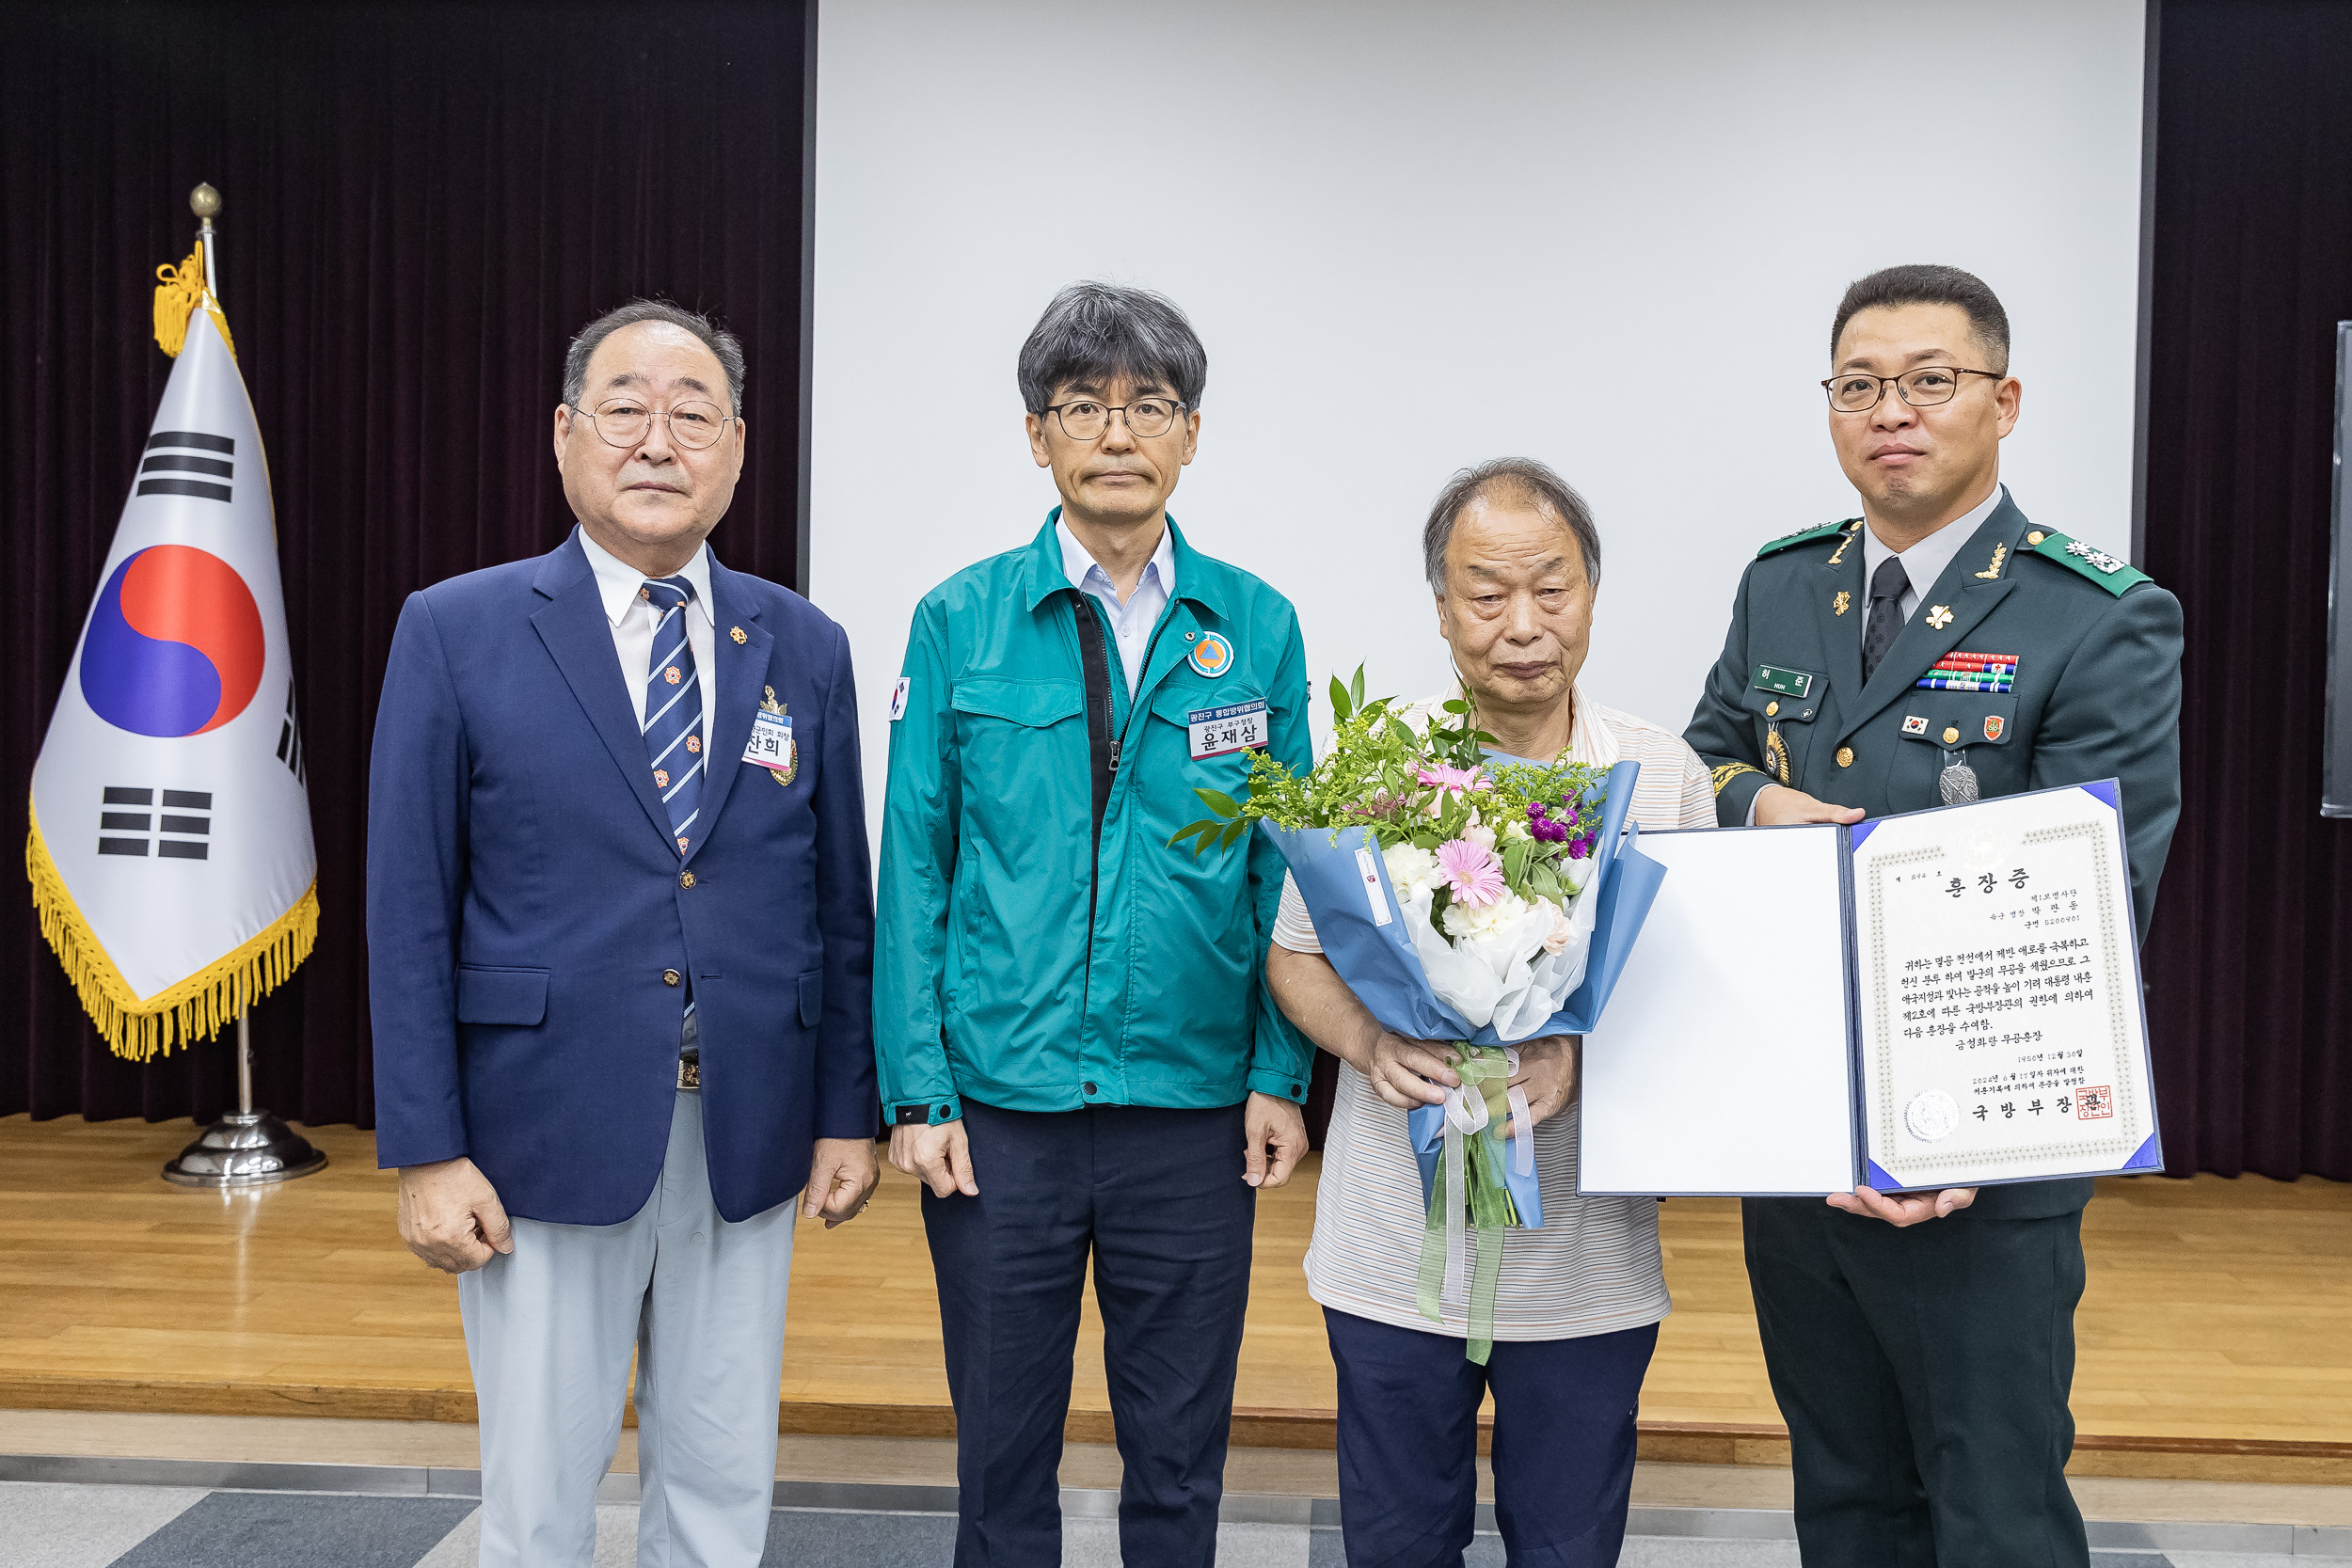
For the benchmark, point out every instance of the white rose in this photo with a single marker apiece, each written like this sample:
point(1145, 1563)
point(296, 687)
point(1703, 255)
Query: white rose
point(1412, 869)
point(1478, 833)
point(1465, 923)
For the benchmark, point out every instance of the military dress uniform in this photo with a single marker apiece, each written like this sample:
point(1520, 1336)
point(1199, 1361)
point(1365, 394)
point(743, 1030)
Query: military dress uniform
point(1924, 1372)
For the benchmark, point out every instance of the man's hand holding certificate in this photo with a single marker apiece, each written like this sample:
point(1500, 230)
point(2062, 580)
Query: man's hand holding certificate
point(1945, 999)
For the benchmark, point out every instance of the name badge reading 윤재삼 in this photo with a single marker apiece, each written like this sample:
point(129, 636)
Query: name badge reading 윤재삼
point(770, 745)
point(1233, 728)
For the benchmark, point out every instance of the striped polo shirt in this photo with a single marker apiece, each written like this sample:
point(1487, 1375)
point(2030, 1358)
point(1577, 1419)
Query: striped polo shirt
point(1594, 1265)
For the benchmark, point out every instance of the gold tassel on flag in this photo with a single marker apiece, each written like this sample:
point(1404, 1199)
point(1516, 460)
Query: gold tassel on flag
point(183, 288)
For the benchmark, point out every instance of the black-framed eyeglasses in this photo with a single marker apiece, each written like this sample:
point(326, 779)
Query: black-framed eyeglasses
point(623, 422)
point(1857, 393)
point(1085, 420)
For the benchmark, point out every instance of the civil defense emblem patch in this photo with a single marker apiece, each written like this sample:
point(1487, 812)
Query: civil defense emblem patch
point(1211, 656)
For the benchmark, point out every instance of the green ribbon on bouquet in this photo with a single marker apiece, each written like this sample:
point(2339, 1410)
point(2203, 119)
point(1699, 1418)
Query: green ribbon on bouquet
point(1471, 1161)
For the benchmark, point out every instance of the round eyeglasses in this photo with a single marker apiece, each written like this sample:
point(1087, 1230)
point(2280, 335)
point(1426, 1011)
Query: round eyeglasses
point(1085, 420)
point(624, 421)
point(1855, 392)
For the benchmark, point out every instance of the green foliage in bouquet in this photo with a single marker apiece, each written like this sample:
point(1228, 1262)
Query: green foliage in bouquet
point(1420, 788)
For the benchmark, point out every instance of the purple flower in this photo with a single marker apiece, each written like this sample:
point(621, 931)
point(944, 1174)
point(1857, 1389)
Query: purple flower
point(1580, 848)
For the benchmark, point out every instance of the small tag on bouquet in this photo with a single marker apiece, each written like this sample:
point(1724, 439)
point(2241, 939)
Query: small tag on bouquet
point(1216, 730)
point(1374, 873)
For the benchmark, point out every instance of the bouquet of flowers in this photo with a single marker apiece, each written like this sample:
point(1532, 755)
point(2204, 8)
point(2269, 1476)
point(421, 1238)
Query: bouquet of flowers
point(1463, 897)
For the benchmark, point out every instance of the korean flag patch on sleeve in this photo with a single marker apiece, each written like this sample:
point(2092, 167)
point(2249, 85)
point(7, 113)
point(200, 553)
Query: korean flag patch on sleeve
point(899, 698)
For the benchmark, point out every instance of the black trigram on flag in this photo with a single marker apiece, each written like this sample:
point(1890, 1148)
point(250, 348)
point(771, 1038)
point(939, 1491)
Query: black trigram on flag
point(289, 737)
point(175, 453)
point(173, 834)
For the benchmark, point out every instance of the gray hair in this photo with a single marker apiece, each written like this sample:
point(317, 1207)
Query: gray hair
point(1521, 479)
point(1102, 332)
point(724, 346)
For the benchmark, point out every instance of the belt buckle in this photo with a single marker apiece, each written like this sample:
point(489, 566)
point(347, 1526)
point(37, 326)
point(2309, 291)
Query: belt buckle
point(690, 1072)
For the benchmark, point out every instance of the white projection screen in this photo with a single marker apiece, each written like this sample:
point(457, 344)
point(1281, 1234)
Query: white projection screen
point(1413, 237)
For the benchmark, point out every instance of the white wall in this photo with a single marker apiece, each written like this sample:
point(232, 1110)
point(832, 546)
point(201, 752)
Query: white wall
point(1417, 236)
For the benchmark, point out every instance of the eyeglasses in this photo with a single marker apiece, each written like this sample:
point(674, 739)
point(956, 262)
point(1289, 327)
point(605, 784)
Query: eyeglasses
point(623, 423)
point(1085, 420)
point(1857, 393)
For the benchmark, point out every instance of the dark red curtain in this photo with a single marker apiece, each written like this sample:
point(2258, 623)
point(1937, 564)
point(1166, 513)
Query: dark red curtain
point(422, 203)
point(2249, 962)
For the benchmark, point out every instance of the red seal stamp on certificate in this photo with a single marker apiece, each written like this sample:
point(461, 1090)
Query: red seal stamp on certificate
point(2094, 1104)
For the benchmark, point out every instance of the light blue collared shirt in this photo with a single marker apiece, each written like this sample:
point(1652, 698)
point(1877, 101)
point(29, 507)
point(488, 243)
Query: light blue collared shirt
point(1131, 623)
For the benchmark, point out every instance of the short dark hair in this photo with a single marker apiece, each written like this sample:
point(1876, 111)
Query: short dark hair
point(1921, 284)
point(1104, 332)
point(1523, 479)
point(724, 346)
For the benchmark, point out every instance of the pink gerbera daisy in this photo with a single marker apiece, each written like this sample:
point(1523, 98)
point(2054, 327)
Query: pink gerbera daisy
point(1471, 869)
point(1461, 781)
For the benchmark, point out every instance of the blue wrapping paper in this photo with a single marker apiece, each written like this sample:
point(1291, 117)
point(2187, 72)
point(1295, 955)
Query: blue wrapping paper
point(1379, 965)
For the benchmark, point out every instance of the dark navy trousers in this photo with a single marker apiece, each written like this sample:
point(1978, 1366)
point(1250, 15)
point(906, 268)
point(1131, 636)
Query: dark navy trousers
point(1155, 1197)
point(1408, 1443)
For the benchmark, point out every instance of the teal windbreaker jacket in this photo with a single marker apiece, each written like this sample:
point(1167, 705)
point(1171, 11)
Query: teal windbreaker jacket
point(1020, 962)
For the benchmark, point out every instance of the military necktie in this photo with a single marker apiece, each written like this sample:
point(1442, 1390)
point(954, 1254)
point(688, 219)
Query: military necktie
point(1886, 622)
point(673, 707)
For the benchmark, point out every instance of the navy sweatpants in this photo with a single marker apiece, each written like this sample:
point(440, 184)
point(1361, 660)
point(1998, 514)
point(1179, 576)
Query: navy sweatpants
point(1408, 1443)
point(1157, 1198)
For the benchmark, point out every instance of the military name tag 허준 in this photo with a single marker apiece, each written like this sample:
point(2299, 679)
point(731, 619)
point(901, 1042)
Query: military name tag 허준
point(1236, 727)
point(1789, 683)
point(770, 745)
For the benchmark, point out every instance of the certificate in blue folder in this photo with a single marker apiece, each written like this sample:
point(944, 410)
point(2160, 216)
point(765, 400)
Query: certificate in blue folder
point(1945, 998)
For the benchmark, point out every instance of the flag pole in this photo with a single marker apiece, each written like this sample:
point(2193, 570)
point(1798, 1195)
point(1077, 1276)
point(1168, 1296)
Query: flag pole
point(246, 1148)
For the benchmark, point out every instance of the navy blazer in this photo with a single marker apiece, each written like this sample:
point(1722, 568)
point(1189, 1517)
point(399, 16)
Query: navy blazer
point(525, 899)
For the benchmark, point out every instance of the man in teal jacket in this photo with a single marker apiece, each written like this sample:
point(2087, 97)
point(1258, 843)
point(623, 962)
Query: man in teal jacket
point(1077, 1052)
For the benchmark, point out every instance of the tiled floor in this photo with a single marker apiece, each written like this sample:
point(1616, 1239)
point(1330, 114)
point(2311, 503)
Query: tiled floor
point(62, 1526)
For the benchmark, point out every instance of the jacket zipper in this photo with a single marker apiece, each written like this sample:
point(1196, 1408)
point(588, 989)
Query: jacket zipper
point(1095, 868)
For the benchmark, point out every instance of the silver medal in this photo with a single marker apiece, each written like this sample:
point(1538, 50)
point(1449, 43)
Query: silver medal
point(1957, 782)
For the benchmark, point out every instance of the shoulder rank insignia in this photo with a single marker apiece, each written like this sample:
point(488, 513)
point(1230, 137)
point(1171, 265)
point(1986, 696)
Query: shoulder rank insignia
point(1806, 537)
point(2112, 573)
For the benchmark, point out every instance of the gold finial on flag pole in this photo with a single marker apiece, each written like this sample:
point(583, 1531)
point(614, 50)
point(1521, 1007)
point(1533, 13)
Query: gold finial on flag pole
point(204, 201)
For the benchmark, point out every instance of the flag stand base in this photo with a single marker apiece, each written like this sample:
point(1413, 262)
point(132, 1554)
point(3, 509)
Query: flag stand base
point(246, 1148)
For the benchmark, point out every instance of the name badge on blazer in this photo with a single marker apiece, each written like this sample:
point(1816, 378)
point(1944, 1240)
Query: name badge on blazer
point(770, 745)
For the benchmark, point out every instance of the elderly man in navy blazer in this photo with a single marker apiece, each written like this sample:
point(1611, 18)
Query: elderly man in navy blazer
point(620, 930)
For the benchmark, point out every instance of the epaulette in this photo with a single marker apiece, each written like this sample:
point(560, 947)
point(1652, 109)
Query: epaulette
point(1806, 537)
point(2112, 573)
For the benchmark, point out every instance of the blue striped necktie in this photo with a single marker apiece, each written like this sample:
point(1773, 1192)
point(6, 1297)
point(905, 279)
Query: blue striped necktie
point(674, 708)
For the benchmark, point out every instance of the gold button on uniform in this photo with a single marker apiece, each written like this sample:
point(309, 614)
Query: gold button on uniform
point(1771, 707)
point(685, 878)
point(1845, 756)
point(1950, 735)
point(2036, 537)
point(671, 977)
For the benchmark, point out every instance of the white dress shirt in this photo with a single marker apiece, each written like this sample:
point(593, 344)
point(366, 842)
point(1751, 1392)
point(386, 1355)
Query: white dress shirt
point(633, 619)
point(1925, 561)
point(1131, 623)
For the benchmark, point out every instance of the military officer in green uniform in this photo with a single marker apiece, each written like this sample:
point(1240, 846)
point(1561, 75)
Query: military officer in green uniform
point(1941, 647)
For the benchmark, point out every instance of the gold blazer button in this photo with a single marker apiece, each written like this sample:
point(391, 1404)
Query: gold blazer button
point(1845, 756)
point(1950, 735)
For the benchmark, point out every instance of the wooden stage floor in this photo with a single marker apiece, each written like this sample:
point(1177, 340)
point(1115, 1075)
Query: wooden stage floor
point(2215, 1338)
